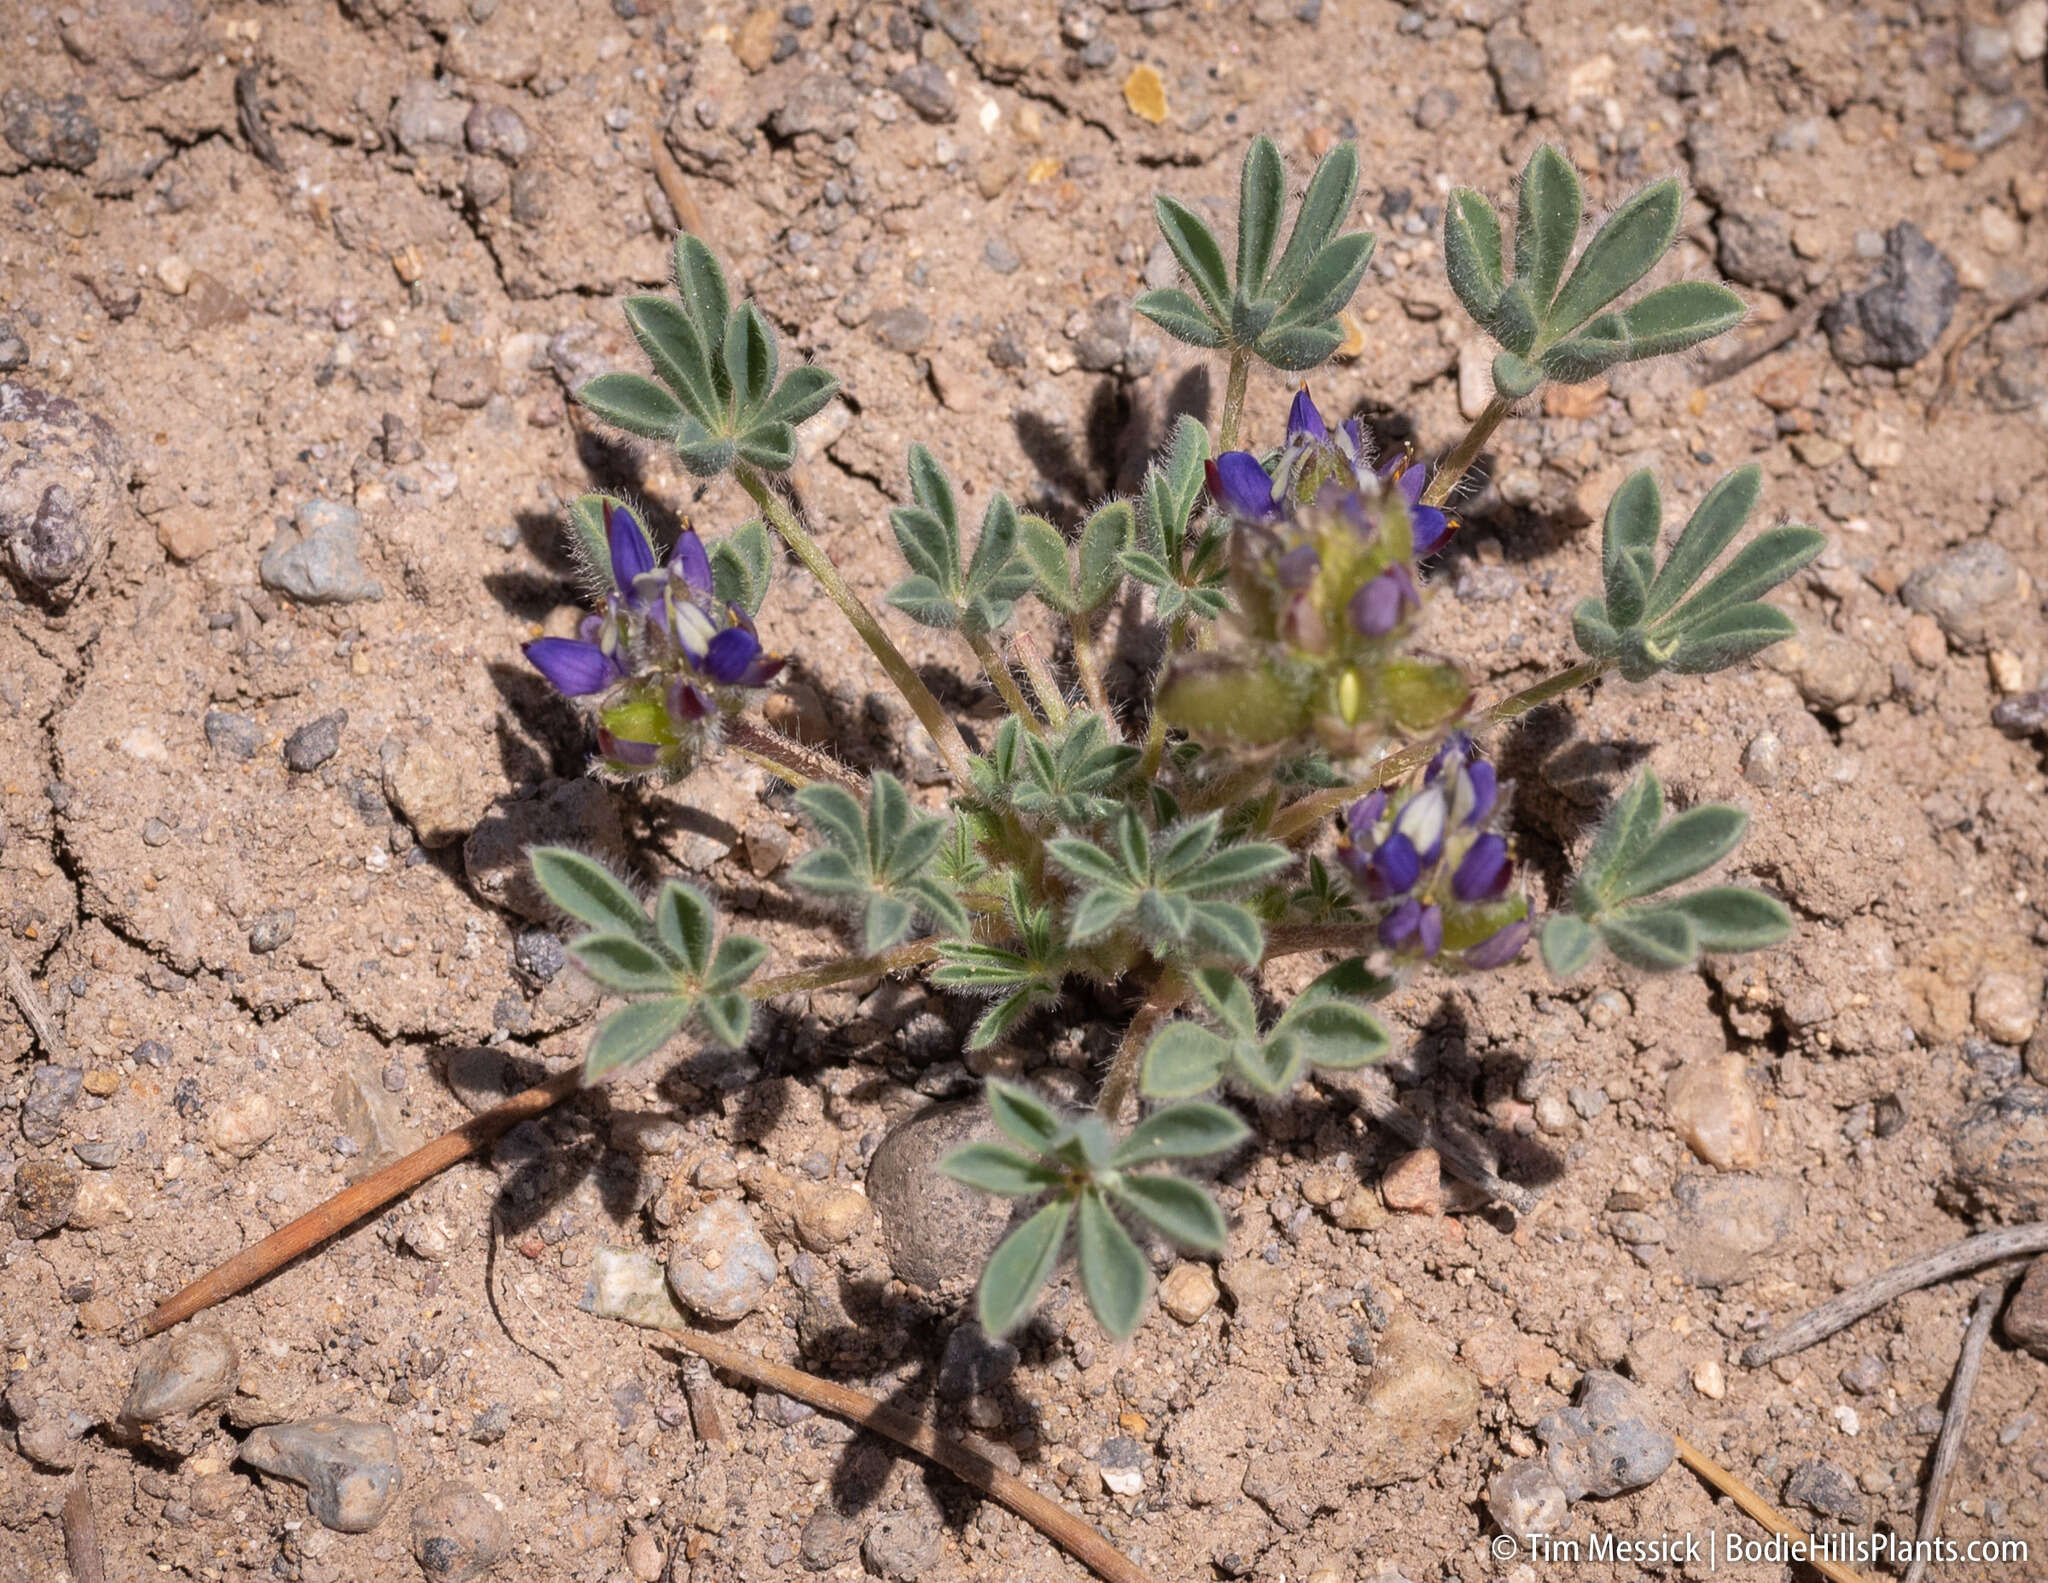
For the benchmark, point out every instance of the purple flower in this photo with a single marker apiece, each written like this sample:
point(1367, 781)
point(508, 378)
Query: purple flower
point(638, 755)
point(1483, 873)
point(735, 658)
point(632, 555)
point(1414, 926)
point(1379, 607)
point(1429, 525)
point(574, 668)
point(1499, 948)
point(1304, 422)
point(1298, 567)
point(1387, 870)
point(1241, 487)
point(689, 561)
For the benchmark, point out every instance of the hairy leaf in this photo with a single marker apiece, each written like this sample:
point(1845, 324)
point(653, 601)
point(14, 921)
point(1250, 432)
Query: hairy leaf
point(1330, 282)
point(1753, 571)
point(681, 360)
point(1323, 208)
point(624, 963)
point(1180, 316)
point(1628, 546)
point(1568, 943)
point(1297, 348)
point(1022, 1115)
point(1708, 531)
point(1183, 1059)
point(991, 1168)
point(1336, 1034)
point(1732, 918)
point(1176, 1207)
point(1472, 253)
point(635, 1032)
point(1021, 1264)
point(1114, 1275)
point(1621, 253)
point(683, 920)
point(1194, 246)
point(742, 566)
point(1546, 224)
point(804, 393)
point(1261, 195)
point(1729, 638)
point(587, 891)
point(1694, 841)
point(1184, 1131)
point(634, 403)
point(1655, 939)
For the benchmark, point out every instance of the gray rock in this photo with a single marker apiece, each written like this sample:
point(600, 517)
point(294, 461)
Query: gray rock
point(497, 130)
point(44, 1196)
point(821, 103)
point(578, 813)
point(828, 1539)
point(1102, 334)
point(1722, 1223)
point(233, 736)
point(1520, 75)
point(465, 382)
point(1864, 1377)
point(1755, 249)
point(13, 347)
point(2000, 1149)
point(903, 329)
point(927, 90)
point(63, 492)
point(315, 742)
point(1525, 1500)
point(349, 1468)
point(182, 1374)
point(1000, 256)
point(718, 1265)
point(1822, 1487)
point(1897, 318)
point(1971, 590)
point(52, 1092)
point(957, 19)
point(427, 116)
point(1606, 1444)
point(537, 955)
point(937, 1234)
point(481, 1078)
point(317, 559)
point(271, 930)
point(1986, 120)
point(55, 132)
point(903, 1545)
point(1435, 108)
point(973, 1363)
point(2026, 1317)
point(2023, 716)
point(457, 1534)
point(99, 1154)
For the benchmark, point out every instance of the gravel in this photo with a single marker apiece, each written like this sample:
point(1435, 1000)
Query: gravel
point(349, 1468)
point(316, 558)
point(1896, 320)
point(315, 742)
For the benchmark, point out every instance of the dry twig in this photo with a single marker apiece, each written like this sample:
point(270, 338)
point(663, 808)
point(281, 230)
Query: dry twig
point(1838, 1313)
point(1064, 1529)
point(1762, 1510)
point(82, 1551)
point(1790, 327)
point(703, 1405)
point(670, 175)
point(1953, 361)
point(1950, 1444)
point(21, 989)
point(345, 1208)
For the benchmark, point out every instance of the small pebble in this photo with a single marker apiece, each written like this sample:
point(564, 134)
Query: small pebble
point(1714, 1109)
point(2006, 1008)
point(1188, 1292)
point(1414, 1183)
point(458, 1534)
point(828, 1216)
point(718, 1265)
point(1526, 1501)
point(1709, 1379)
point(53, 1091)
point(1607, 1443)
point(182, 1373)
point(349, 1468)
point(315, 742)
point(242, 1126)
point(45, 1195)
point(645, 1558)
point(232, 736)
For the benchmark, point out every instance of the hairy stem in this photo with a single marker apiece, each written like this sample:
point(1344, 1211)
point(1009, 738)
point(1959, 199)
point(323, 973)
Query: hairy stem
point(1459, 462)
point(1164, 1000)
point(1233, 398)
point(1155, 730)
point(1045, 686)
point(787, 758)
point(1091, 674)
point(1300, 817)
point(944, 734)
point(1006, 684)
point(912, 953)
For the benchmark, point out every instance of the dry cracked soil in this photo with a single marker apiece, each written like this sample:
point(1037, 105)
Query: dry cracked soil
point(291, 299)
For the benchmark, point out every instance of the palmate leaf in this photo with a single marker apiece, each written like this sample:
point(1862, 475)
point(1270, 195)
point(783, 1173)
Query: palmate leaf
point(1621, 253)
point(633, 403)
point(684, 922)
point(1548, 208)
point(1183, 1059)
point(1181, 317)
point(635, 1032)
point(1022, 1116)
point(1472, 253)
point(1261, 196)
point(668, 335)
point(1729, 918)
point(1708, 531)
point(1194, 246)
point(1324, 205)
point(991, 1168)
point(742, 566)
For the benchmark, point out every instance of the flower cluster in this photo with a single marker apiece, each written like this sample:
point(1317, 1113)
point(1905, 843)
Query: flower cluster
point(1429, 861)
point(1323, 553)
point(664, 652)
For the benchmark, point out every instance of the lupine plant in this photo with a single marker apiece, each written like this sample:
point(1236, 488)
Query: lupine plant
point(1300, 773)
